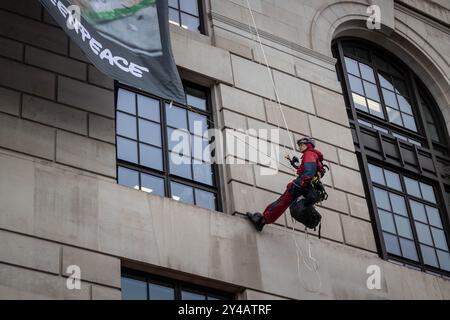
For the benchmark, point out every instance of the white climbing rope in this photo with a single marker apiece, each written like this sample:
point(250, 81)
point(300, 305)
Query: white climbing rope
point(299, 251)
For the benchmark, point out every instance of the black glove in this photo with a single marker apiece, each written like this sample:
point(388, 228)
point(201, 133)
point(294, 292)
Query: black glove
point(294, 162)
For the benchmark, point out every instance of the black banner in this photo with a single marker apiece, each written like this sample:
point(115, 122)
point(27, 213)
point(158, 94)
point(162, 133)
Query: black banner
point(128, 40)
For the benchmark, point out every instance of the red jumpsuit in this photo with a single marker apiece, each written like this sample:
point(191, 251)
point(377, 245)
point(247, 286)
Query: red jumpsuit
point(310, 165)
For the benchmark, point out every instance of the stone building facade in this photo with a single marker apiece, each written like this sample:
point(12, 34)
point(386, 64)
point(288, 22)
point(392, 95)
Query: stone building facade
point(61, 205)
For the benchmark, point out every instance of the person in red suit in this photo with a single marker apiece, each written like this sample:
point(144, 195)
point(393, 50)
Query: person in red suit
point(311, 164)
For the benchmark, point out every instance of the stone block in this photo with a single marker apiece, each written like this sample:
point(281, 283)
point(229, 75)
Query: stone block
point(29, 252)
point(242, 102)
point(54, 114)
point(102, 128)
point(331, 133)
point(11, 49)
point(27, 137)
point(358, 207)
point(9, 101)
point(358, 233)
point(26, 78)
point(33, 32)
point(294, 92)
point(347, 180)
point(85, 96)
point(330, 105)
point(94, 267)
point(85, 153)
point(105, 293)
point(23, 284)
point(55, 62)
point(95, 76)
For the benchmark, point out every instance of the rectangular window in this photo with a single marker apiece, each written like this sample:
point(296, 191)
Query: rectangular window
point(410, 218)
point(186, 14)
point(163, 148)
point(142, 286)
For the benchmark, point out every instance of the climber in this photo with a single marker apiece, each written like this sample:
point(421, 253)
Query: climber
point(310, 167)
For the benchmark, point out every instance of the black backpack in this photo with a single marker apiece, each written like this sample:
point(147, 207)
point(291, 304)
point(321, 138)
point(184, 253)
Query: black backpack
point(307, 215)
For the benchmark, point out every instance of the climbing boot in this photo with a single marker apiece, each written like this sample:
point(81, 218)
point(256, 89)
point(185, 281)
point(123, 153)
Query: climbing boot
point(257, 219)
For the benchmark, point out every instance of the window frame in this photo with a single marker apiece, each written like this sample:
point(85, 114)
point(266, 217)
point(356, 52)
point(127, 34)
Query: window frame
point(440, 186)
point(165, 173)
point(202, 27)
point(177, 285)
point(407, 197)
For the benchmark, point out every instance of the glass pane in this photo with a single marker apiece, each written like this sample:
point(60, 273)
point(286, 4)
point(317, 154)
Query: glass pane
point(382, 199)
point(429, 256)
point(371, 91)
point(389, 98)
point(352, 66)
point(439, 239)
point(398, 204)
point(190, 6)
point(205, 199)
point(126, 125)
point(424, 234)
point(152, 184)
point(444, 260)
point(427, 192)
point(360, 102)
point(432, 130)
point(356, 84)
point(176, 117)
point(376, 174)
point(196, 98)
point(385, 83)
point(392, 245)
point(197, 124)
point(173, 3)
point(418, 211)
point(394, 116)
point(405, 106)
point(174, 16)
point(363, 54)
point(403, 227)
point(387, 221)
point(412, 187)
point(201, 149)
point(150, 132)
point(180, 165)
point(375, 108)
point(133, 289)
point(129, 178)
point(181, 192)
point(186, 295)
point(433, 216)
point(367, 72)
point(127, 150)
point(157, 292)
point(203, 173)
point(148, 108)
point(400, 87)
point(179, 141)
point(151, 157)
point(392, 180)
point(408, 249)
point(126, 101)
point(189, 22)
point(409, 122)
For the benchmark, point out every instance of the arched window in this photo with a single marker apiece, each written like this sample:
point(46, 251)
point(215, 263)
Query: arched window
point(402, 145)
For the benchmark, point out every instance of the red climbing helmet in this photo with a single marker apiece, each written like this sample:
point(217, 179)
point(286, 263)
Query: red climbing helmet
point(307, 140)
